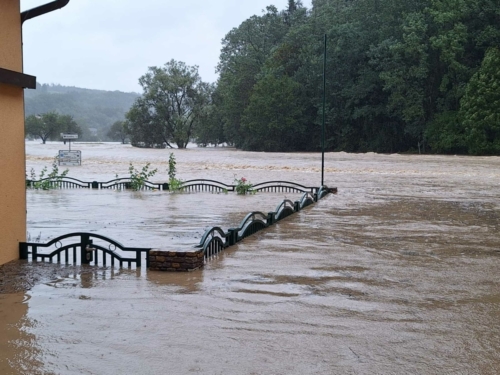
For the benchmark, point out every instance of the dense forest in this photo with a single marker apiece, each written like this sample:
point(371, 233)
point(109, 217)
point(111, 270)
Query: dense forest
point(95, 111)
point(401, 76)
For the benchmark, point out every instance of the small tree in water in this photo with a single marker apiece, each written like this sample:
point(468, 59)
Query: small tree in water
point(174, 183)
point(138, 178)
point(48, 181)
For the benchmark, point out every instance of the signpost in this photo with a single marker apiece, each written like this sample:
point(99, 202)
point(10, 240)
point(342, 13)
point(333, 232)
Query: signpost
point(68, 137)
point(70, 157)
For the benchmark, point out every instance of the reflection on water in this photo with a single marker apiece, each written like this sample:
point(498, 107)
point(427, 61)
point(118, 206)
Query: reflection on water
point(398, 273)
point(19, 350)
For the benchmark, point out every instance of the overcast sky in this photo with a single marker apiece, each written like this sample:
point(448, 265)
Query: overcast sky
point(109, 44)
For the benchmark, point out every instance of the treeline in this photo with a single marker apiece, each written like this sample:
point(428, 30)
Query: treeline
point(50, 125)
point(402, 75)
point(95, 111)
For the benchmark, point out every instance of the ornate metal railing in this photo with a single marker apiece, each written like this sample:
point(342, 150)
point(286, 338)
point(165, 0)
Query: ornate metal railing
point(324, 190)
point(197, 185)
point(214, 240)
point(202, 185)
point(59, 183)
point(283, 187)
point(126, 183)
point(83, 248)
point(73, 183)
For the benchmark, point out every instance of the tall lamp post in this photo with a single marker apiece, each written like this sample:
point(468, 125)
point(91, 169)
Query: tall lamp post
point(323, 125)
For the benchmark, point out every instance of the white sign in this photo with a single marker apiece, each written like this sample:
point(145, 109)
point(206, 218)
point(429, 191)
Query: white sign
point(70, 157)
point(69, 136)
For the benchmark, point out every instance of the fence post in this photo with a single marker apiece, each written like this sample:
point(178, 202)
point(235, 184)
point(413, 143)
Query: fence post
point(138, 254)
point(233, 236)
point(84, 238)
point(23, 250)
point(270, 218)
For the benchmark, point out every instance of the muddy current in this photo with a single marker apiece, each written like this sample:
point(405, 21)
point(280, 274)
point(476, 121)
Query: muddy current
point(395, 274)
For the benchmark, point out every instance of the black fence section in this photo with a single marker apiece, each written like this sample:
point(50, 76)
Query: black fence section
point(84, 248)
point(215, 240)
point(202, 185)
point(283, 187)
point(59, 183)
point(126, 183)
point(73, 183)
point(198, 185)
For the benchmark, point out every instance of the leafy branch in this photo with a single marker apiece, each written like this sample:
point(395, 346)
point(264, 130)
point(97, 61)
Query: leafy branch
point(47, 181)
point(139, 177)
point(174, 183)
point(243, 186)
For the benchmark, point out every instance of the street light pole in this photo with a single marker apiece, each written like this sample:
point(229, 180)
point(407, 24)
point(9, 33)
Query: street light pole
point(324, 114)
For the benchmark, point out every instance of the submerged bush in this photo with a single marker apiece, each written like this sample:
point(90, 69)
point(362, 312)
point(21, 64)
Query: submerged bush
point(174, 184)
point(138, 178)
point(47, 181)
point(243, 186)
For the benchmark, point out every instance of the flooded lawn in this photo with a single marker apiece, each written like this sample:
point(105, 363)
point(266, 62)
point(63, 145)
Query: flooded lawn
point(170, 221)
point(396, 274)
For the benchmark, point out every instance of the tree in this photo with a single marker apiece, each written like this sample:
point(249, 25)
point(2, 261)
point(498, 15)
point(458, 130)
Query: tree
point(42, 126)
point(406, 74)
point(396, 75)
point(244, 52)
point(272, 119)
point(211, 129)
point(480, 107)
point(68, 125)
point(173, 100)
point(445, 134)
point(50, 125)
point(118, 132)
point(144, 131)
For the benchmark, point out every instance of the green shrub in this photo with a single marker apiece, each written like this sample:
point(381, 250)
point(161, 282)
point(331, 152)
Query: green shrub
point(243, 186)
point(49, 181)
point(174, 184)
point(138, 178)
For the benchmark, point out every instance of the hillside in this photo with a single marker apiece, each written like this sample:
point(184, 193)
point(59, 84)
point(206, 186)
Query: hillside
point(96, 109)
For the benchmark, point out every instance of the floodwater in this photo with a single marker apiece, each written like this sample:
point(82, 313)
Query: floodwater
point(396, 274)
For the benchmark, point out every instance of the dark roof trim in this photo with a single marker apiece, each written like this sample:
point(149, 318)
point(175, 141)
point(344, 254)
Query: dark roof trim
point(10, 77)
point(42, 9)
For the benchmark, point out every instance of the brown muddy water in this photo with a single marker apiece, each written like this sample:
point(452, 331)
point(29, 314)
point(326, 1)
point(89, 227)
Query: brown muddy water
point(396, 274)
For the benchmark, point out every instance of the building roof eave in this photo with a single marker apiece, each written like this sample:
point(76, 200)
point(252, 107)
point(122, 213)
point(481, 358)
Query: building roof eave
point(42, 9)
point(10, 77)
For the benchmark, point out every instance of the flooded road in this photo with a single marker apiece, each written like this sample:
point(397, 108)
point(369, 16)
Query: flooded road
point(396, 274)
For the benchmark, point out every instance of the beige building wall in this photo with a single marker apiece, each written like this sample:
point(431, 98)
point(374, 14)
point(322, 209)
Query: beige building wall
point(12, 154)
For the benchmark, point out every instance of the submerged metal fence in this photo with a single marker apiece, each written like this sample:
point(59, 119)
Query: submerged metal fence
point(197, 185)
point(95, 249)
point(84, 248)
point(214, 240)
